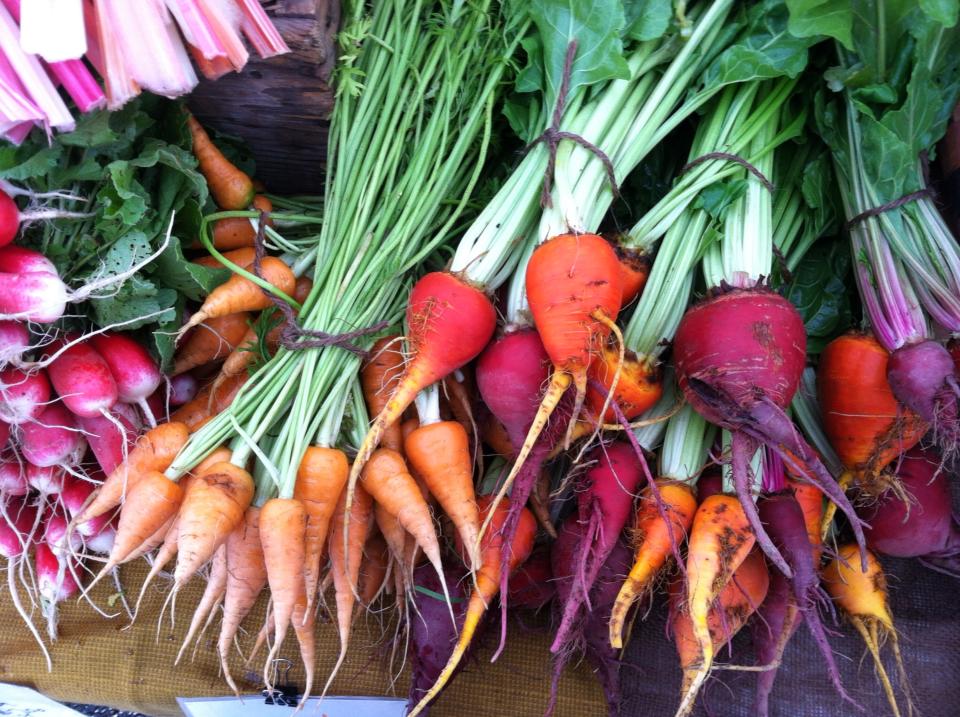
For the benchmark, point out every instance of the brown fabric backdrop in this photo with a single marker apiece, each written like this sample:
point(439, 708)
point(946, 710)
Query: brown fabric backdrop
point(97, 660)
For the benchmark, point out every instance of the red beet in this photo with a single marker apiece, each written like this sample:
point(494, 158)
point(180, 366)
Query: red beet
point(532, 585)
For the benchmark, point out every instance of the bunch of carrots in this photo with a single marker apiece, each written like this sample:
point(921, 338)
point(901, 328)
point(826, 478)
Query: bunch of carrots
point(360, 425)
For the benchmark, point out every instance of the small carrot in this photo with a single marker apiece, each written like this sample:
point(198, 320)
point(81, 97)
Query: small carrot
point(230, 187)
point(237, 232)
point(212, 596)
point(241, 257)
point(212, 340)
point(208, 403)
point(395, 538)
point(457, 394)
point(495, 435)
point(378, 378)
point(652, 537)
point(345, 562)
point(487, 583)
point(240, 294)
point(863, 597)
point(720, 540)
point(440, 454)
point(212, 508)
point(375, 569)
point(304, 625)
point(246, 578)
point(320, 480)
point(153, 451)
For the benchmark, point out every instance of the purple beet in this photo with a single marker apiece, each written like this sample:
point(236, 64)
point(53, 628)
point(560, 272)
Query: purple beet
point(532, 585)
point(432, 636)
point(588, 631)
point(922, 377)
point(924, 527)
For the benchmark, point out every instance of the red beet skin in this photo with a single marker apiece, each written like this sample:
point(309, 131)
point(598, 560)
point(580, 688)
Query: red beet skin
point(450, 322)
point(738, 342)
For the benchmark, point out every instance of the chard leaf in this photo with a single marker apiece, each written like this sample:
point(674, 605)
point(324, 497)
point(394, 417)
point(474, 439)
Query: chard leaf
point(716, 199)
point(764, 50)
point(595, 26)
point(941, 11)
point(830, 18)
point(92, 130)
point(647, 19)
point(821, 292)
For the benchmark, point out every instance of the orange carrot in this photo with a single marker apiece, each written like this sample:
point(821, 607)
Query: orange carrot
point(373, 571)
point(246, 578)
point(540, 504)
point(153, 451)
point(230, 187)
point(394, 536)
point(212, 340)
point(720, 540)
point(495, 435)
point(155, 540)
point(345, 562)
point(240, 294)
point(304, 625)
point(457, 396)
point(440, 454)
point(212, 508)
point(866, 425)
point(737, 601)
point(241, 257)
point(208, 402)
point(863, 597)
point(654, 540)
point(212, 596)
point(237, 232)
point(283, 524)
point(320, 480)
point(487, 582)
point(378, 378)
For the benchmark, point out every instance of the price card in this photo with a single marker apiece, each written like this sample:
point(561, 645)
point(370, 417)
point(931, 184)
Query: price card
point(254, 706)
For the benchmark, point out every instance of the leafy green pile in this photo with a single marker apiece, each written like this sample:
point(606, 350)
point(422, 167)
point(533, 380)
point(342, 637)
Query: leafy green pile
point(134, 170)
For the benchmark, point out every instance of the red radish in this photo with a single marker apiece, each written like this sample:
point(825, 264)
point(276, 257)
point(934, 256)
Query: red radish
point(133, 368)
point(17, 534)
point(23, 395)
point(108, 443)
point(449, 322)
point(11, 217)
point(55, 583)
point(57, 536)
point(37, 297)
point(573, 286)
point(739, 356)
point(921, 525)
point(13, 479)
point(20, 260)
point(14, 341)
point(101, 541)
point(4, 435)
point(53, 438)
point(46, 480)
point(82, 378)
point(604, 505)
point(74, 496)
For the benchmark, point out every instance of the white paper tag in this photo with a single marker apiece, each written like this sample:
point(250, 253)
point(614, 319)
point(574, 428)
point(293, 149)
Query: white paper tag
point(19, 701)
point(53, 29)
point(254, 706)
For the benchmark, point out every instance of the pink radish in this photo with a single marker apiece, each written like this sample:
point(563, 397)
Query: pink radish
point(82, 378)
point(14, 341)
point(37, 297)
point(46, 480)
point(74, 496)
point(57, 536)
point(53, 438)
point(101, 542)
point(20, 260)
point(106, 439)
point(13, 479)
point(11, 217)
point(135, 372)
point(4, 434)
point(22, 395)
point(55, 583)
point(183, 389)
point(17, 534)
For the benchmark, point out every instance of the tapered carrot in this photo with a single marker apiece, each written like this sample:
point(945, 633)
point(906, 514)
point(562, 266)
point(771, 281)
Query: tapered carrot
point(863, 597)
point(440, 454)
point(237, 232)
point(283, 525)
point(241, 257)
point(378, 378)
point(230, 187)
point(374, 570)
point(153, 451)
point(212, 596)
point(212, 509)
point(487, 583)
point(212, 340)
point(654, 539)
point(720, 540)
point(209, 402)
point(394, 536)
point(345, 563)
point(304, 625)
point(240, 294)
point(155, 540)
point(457, 395)
point(246, 578)
point(320, 480)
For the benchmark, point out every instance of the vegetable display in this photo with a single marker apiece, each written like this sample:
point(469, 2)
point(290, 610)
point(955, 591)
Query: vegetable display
point(603, 304)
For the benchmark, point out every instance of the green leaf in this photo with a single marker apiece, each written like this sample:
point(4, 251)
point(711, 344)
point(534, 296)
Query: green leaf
point(138, 302)
point(821, 292)
point(17, 165)
point(647, 19)
point(164, 335)
point(174, 271)
point(716, 199)
point(595, 26)
point(943, 11)
point(830, 18)
point(92, 130)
